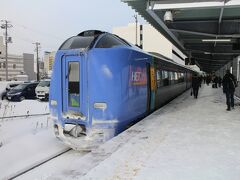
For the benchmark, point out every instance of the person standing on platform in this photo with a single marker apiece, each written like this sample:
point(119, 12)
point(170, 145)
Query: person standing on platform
point(219, 81)
point(208, 79)
point(204, 79)
point(195, 85)
point(229, 83)
point(200, 78)
point(215, 82)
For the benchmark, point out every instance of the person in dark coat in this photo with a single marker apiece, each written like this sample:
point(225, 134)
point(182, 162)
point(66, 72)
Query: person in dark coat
point(215, 82)
point(208, 79)
point(219, 81)
point(200, 78)
point(195, 85)
point(204, 79)
point(229, 83)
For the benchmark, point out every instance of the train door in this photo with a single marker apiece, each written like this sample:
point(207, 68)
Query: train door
point(151, 88)
point(71, 80)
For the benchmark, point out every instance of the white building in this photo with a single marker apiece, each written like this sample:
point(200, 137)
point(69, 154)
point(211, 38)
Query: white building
point(49, 58)
point(151, 40)
point(17, 64)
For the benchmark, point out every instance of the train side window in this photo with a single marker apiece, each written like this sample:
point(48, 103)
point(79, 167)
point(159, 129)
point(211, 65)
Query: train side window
point(176, 77)
point(159, 78)
point(181, 78)
point(109, 41)
point(171, 77)
point(165, 78)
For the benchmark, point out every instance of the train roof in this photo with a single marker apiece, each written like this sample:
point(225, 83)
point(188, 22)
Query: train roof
point(96, 33)
point(159, 56)
point(91, 33)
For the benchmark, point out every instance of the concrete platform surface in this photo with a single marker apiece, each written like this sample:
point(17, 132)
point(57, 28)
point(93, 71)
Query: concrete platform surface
point(188, 139)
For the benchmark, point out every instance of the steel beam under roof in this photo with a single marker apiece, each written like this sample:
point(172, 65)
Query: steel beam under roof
point(160, 5)
point(194, 20)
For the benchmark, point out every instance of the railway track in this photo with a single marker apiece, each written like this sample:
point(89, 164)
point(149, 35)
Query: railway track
point(37, 164)
point(27, 115)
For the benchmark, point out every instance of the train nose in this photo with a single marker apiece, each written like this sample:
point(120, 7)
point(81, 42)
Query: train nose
point(75, 130)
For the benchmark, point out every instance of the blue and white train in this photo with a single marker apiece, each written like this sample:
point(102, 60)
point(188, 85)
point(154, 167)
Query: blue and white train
point(100, 84)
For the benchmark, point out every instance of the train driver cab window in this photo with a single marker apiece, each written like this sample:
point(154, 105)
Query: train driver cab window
point(109, 41)
point(77, 42)
point(73, 84)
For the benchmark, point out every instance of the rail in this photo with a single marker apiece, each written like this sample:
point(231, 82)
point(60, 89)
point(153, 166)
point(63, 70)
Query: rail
point(31, 167)
point(27, 115)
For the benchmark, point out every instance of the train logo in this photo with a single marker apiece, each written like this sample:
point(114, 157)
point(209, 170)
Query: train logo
point(138, 76)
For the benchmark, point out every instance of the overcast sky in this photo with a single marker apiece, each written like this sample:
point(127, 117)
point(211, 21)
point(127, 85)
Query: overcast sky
point(50, 22)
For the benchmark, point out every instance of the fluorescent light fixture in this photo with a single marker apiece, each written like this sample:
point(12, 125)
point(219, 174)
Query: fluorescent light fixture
point(216, 40)
point(198, 5)
point(207, 53)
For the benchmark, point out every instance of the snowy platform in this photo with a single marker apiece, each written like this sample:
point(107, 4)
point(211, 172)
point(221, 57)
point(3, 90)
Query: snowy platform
point(188, 139)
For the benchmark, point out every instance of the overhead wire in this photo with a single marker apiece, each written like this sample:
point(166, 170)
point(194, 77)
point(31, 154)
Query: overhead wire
point(39, 32)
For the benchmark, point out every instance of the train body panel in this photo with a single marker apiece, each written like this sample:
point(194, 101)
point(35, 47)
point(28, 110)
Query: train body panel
point(96, 93)
point(119, 80)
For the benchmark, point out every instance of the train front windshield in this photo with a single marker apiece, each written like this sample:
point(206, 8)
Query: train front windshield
point(77, 42)
point(73, 84)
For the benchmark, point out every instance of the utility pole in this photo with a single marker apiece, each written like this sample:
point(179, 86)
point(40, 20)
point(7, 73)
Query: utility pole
point(5, 26)
point(136, 21)
point(37, 50)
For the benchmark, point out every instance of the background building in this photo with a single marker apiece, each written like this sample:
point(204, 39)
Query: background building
point(2, 47)
point(17, 64)
point(150, 40)
point(28, 62)
point(48, 62)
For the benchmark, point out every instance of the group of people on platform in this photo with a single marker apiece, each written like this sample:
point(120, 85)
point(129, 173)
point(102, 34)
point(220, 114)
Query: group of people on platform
point(228, 82)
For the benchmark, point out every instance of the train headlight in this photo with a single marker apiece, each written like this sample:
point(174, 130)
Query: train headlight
point(102, 106)
point(53, 103)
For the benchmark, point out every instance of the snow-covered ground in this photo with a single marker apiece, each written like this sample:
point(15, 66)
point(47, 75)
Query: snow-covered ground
point(188, 139)
point(26, 140)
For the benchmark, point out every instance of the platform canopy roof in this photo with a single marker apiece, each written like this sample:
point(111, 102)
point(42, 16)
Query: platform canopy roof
point(208, 31)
